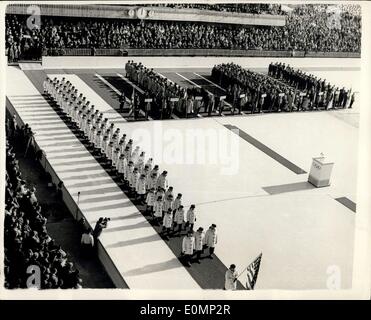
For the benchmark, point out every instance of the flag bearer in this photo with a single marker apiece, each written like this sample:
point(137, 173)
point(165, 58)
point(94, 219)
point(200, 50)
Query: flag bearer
point(231, 278)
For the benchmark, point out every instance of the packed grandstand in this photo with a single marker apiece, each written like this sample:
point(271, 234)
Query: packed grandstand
point(307, 28)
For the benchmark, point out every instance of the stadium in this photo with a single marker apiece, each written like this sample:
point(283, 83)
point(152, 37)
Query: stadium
point(181, 146)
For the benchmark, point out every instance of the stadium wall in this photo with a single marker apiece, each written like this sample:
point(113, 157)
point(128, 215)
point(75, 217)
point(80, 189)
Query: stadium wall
point(74, 62)
point(197, 52)
point(72, 206)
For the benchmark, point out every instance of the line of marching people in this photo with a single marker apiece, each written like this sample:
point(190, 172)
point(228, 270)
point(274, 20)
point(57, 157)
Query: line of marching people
point(142, 179)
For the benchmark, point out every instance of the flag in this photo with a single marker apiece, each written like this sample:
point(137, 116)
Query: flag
point(252, 273)
point(293, 99)
point(132, 97)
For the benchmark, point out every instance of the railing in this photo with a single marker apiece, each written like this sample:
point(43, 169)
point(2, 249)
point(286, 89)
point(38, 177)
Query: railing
point(197, 52)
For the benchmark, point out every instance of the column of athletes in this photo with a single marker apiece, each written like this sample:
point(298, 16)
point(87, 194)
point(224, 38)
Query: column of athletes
point(142, 179)
point(282, 89)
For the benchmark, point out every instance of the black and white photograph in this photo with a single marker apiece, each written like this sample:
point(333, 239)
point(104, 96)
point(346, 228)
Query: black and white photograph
point(185, 149)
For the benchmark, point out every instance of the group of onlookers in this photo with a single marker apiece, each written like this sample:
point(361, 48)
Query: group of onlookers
point(32, 257)
point(142, 179)
point(307, 28)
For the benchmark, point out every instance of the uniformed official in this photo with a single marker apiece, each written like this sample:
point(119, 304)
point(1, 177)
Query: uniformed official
point(199, 243)
point(177, 202)
point(167, 223)
point(141, 187)
point(188, 246)
point(133, 180)
point(128, 173)
point(121, 167)
point(178, 219)
point(211, 239)
point(168, 203)
point(150, 200)
point(157, 210)
point(191, 217)
point(162, 180)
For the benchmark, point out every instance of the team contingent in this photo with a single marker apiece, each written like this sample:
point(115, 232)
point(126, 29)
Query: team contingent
point(166, 96)
point(283, 89)
point(142, 178)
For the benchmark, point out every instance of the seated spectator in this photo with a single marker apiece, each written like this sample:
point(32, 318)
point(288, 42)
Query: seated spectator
point(26, 240)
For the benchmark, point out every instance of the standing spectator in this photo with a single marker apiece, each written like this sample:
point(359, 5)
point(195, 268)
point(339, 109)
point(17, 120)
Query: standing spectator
point(82, 225)
point(87, 240)
point(99, 226)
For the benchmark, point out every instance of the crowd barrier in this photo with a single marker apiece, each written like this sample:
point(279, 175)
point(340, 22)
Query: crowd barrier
point(197, 52)
point(73, 208)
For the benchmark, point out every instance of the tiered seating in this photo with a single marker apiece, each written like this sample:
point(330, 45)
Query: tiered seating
point(254, 8)
point(308, 28)
point(27, 243)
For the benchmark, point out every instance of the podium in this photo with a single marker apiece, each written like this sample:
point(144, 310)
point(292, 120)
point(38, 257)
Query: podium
point(320, 172)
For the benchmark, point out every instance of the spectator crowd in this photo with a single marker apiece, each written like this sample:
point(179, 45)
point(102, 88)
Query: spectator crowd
point(32, 257)
point(291, 91)
point(308, 28)
point(254, 8)
point(141, 177)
